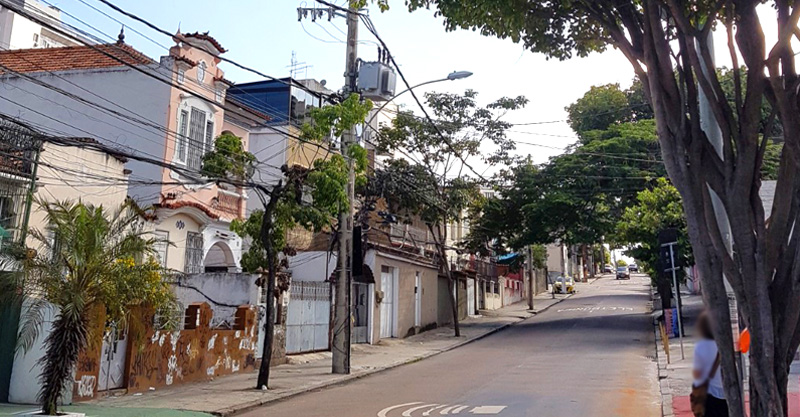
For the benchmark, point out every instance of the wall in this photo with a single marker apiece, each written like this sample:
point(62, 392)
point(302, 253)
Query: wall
point(312, 265)
point(163, 358)
point(224, 292)
point(25, 369)
point(135, 96)
point(406, 272)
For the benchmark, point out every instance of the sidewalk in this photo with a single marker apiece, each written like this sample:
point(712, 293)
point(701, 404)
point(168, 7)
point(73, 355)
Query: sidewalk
point(675, 378)
point(235, 393)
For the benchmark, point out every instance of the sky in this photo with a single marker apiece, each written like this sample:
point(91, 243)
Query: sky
point(264, 34)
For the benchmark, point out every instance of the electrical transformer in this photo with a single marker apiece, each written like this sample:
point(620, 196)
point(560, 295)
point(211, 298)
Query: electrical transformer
point(377, 81)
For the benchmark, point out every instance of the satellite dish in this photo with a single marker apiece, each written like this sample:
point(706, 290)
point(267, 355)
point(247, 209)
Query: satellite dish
point(323, 82)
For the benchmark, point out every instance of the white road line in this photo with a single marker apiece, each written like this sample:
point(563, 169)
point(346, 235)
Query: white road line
point(459, 409)
point(447, 410)
point(427, 413)
point(386, 410)
point(488, 409)
point(408, 412)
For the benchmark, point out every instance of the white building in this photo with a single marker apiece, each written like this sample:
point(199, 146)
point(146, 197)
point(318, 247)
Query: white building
point(19, 32)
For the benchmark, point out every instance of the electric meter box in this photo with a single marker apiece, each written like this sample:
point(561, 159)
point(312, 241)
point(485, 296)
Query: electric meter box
point(377, 81)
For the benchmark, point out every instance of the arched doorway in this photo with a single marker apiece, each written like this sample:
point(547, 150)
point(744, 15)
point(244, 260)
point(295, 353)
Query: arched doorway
point(219, 258)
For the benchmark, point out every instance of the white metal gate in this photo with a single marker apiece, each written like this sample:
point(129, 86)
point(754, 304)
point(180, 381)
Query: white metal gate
point(388, 308)
point(308, 317)
point(471, 297)
point(112, 360)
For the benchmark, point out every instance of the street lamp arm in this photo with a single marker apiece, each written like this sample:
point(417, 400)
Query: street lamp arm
point(400, 94)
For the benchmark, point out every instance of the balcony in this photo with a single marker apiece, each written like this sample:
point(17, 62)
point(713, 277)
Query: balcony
point(410, 237)
point(229, 202)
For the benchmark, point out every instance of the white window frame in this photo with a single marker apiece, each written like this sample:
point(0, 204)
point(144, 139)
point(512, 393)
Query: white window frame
point(181, 75)
point(218, 95)
point(181, 141)
point(162, 246)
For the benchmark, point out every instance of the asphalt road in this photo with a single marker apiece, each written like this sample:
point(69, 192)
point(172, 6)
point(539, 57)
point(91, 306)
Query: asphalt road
point(587, 356)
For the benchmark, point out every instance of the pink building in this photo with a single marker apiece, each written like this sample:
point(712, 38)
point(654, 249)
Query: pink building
point(169, 110)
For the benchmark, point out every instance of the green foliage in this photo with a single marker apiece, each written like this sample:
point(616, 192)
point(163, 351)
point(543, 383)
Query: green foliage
point(621, 262)
point(772, 160)
point(598, 109)
point(324, 182)
point(229, 159)
point(539, 256)
point(90, 258)
point(657, 208)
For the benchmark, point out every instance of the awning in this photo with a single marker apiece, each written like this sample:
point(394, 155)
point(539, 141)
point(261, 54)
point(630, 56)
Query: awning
point(507, 259)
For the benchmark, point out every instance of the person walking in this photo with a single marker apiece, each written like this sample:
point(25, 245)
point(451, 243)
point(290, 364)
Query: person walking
point(707, 375)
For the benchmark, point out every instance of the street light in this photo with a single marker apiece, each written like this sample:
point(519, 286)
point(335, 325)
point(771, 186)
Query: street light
point(455, 75)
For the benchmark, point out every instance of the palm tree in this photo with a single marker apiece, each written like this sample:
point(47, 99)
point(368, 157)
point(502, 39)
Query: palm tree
point(88, 258)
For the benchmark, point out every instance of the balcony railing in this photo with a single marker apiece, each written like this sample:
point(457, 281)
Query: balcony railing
point(18, 147)
point(407, 236)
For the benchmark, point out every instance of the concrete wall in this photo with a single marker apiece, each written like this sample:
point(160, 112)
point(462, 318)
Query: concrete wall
point(224, 292)
point(406, 272)
point(313, 266)
point(135, 96)
point(25, 369)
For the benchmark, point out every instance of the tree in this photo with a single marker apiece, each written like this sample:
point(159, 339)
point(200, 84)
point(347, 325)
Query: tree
point(621, 262)
point(431, 185)
point(658, 208)
point(666, 44)
point(89, 259)
point(284, 204)
point(598, 109)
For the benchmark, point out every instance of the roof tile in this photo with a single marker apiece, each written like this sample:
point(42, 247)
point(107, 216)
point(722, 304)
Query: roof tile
point(72, 58)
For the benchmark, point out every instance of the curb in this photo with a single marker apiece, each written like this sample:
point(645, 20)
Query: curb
point(231, 411)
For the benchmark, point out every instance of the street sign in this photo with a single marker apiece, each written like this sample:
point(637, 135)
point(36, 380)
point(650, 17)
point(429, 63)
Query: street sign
point(668, 239)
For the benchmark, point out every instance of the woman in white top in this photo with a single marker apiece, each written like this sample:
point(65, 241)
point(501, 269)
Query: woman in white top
point(705, 354)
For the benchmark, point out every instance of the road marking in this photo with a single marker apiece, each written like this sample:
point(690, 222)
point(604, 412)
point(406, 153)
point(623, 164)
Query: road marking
point(427, 413)
point(488, 409)
point(408, 412)
point(447, 410)
point(385, 411)
point(459, 409)
point(592, 309)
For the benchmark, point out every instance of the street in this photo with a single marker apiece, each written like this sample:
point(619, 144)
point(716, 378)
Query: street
point(587, 356)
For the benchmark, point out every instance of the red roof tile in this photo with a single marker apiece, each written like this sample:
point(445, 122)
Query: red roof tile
point(205, 37)
point(174, 205)
point(72, 58)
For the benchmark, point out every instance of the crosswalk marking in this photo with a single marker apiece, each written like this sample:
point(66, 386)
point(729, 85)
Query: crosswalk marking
point(427, 413)
point(408, 412)
point(488, 409)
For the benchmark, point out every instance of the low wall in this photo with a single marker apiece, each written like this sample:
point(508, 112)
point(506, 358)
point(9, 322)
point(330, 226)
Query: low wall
point(196, 353)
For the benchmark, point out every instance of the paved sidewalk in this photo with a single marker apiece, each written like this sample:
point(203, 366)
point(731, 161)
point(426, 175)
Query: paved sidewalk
point(235, 393)
point(99, 411)
point(675, 378)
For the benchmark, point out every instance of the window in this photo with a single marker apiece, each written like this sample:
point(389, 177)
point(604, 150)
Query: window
point(180, 147)
point(181, 75)
point(7, 217)
point(35, 40)
point(197, 137)
point(218, 95)
point(209, 137)
point(201, 72)
point(194, 253)
point(161, 246)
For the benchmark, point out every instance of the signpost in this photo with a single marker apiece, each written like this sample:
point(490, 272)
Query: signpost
point(668, 238)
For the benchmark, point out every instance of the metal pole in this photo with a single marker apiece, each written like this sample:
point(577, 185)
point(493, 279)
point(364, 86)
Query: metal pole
point(677, 296)
point(342, 322)
point(530, 277)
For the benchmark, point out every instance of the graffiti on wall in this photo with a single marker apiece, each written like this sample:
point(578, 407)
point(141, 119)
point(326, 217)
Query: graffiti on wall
point(165, 358)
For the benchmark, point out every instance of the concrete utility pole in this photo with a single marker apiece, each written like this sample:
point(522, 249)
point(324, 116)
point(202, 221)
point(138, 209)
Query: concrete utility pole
point(341, 319)
point(530, 277)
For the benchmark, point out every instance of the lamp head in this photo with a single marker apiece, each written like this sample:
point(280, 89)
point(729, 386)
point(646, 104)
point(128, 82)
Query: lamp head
point(457, 75)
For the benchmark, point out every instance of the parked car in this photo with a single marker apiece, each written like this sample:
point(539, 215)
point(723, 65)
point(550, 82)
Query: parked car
point(623, 272)
point(608, 269)
point(559, 282)
point(633, 268)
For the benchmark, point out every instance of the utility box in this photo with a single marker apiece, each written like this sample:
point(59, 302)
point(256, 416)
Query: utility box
point(376, 81)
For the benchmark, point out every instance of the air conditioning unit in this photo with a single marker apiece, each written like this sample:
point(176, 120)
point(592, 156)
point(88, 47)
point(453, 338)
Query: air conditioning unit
point(377, 81)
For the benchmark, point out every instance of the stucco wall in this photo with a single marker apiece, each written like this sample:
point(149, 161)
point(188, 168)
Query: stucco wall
point(312, 266)
point(134, 95)
point(224, 292)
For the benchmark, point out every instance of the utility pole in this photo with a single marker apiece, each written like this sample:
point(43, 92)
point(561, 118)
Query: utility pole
point(341, 319)
point(530, 277)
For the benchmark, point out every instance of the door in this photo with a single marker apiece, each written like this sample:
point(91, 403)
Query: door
point(471, 297)
point(194, 253)
point(360, 313)
point(308, 317)
point(388, 313)
point(112, 360)
point(418, 300)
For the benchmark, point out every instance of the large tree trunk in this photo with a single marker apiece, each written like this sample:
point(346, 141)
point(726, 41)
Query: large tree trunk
point(272, 271)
